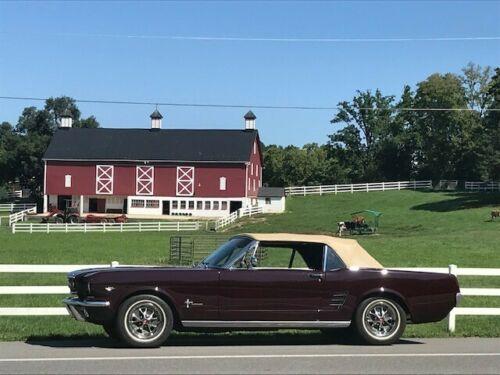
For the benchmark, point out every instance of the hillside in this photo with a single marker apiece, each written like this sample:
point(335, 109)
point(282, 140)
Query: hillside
point(417, 228)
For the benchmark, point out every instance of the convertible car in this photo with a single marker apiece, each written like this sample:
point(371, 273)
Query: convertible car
point(263, 281)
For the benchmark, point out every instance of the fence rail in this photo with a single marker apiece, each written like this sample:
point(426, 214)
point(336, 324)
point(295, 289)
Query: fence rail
point(12, 207)
point(353, 188)
point(20, 216)
point(160, 226)
point(231, 218)
point(482, 186)
point(31, 311)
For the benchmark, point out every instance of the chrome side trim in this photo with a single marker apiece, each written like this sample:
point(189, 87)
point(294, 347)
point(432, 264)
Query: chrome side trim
point(85, 303)
point(265, 324)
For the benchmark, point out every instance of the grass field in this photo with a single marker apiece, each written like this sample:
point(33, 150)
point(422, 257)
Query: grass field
point(418, 229)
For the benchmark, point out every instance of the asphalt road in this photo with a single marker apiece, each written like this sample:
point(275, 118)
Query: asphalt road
point(417, 356)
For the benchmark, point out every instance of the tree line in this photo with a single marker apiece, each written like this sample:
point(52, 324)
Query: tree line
point(22, 145)
point(376, 137)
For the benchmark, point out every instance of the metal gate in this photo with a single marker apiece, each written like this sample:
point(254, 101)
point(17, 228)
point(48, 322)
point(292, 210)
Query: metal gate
point(187, 250)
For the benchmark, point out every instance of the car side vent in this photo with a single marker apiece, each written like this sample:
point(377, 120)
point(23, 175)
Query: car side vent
point(338, 300)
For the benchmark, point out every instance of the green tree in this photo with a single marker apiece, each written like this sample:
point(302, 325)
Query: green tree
point(367, 119)
point(492, 127)
point(22, 147)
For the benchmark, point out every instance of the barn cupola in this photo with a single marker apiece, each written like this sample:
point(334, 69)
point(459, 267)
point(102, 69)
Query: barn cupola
point(249, 120)
point(156, 120)
point(66, 121)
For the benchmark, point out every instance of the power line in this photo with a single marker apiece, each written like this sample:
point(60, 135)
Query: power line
point(269, 39)
point(206, 105)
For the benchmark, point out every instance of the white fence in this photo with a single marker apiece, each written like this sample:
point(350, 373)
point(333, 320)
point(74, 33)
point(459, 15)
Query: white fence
point(232, 217)
point(30, 311)
point(352, 188)
point(15, 194)
point(12, 207)
point(20, 216)
point(153, 226)
point(482, 186)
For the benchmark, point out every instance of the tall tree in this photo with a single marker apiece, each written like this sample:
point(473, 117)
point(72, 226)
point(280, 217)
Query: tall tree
point(492, 126)
point(366, 121)
point(476, 81)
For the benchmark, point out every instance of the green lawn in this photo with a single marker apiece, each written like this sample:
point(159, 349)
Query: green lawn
point(418, 229)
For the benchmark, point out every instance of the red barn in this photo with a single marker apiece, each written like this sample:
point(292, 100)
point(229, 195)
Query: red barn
point(153, 171)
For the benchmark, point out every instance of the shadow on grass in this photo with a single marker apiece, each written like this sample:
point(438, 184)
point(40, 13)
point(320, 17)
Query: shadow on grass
point(214, 339)
point(461, 201)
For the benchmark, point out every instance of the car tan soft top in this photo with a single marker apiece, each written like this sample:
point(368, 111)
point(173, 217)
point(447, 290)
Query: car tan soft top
point(350, 251)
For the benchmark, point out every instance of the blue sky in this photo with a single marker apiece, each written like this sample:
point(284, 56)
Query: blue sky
point(39, 57)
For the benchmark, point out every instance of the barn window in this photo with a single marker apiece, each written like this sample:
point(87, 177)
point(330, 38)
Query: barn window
point(185, 181)
point(144, 180)
point(67, 181)
point(183, 205)
point(152, 204)
point(222, 183)
point(255, 147)
point(224, 206)
point(268, 200)
point(137, 203)
point(257, 170)
point(207, 205)
point(191, 205)
point(104, 179)
point(175, 205)
point(254, 185)
point(216, 205)
point(199, 205)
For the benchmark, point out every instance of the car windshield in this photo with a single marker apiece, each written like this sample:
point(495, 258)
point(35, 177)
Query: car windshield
point(228, 253)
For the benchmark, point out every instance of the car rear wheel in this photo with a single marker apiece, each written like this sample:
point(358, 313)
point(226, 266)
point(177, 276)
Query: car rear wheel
point(144, 321)
point(380, 321)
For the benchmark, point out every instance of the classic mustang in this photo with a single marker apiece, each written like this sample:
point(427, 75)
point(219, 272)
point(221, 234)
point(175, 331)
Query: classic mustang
point(263, 281)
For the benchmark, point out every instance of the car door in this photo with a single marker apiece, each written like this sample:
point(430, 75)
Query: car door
point(270, 293)
point(338, 293)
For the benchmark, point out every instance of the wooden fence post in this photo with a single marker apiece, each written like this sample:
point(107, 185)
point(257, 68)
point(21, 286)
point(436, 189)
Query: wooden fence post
point(178, 226)
point(304, 188)
point(320, 190)
point(335, 189)
point(352, 188)
point(367, 188)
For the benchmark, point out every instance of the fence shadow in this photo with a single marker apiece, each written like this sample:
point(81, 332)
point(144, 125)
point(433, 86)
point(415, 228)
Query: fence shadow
point(215, 339)
point(461, 201)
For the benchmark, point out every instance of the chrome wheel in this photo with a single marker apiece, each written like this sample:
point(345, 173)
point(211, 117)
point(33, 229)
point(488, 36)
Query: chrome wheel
point(381, 319)
point(145, 320)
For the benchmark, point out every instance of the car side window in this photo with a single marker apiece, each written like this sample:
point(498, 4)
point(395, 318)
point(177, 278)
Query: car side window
point(333, 261)
point(278, 256)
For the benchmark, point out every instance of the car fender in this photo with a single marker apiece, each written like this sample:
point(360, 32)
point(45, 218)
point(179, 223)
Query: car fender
point(386, 292)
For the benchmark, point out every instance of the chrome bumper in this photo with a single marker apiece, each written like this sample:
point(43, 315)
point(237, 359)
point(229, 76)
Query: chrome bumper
point(77, 307)
point(458, 298)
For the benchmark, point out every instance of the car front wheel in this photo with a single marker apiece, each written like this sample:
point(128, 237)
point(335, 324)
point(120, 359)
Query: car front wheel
point(380, 321)
point(144, 321)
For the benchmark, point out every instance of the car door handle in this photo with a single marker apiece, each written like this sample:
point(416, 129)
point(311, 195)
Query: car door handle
point(317, 276)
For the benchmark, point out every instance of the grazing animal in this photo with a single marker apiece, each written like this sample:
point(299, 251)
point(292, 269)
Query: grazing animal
point(494, 214)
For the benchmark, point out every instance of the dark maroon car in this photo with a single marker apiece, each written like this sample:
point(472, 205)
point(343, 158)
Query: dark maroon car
point(263, 281)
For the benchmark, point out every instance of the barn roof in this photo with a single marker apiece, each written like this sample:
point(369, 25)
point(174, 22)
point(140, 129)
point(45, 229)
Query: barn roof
point(271, 192)
point(190, 145)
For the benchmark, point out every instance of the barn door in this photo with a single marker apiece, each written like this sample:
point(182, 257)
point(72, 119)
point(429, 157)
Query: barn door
point(104, 179)
point(185, 181)
point(144, 180)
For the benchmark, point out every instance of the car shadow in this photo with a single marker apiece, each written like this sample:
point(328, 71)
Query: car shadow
point(214, 339)
point(461, 201)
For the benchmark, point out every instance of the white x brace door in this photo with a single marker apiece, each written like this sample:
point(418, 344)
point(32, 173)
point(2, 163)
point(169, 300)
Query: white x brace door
point(185, 181)
point(144, 180)
point(104, 179)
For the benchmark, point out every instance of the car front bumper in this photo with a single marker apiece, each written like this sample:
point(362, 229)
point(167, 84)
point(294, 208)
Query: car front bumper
point(87, 310)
